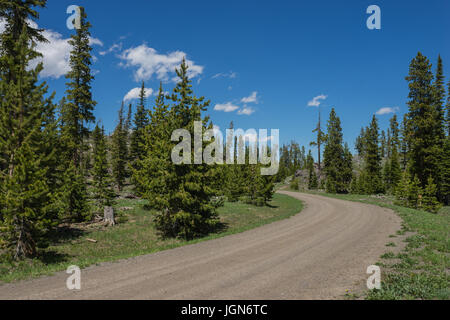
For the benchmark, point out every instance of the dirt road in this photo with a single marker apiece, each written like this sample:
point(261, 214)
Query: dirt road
point(317, 254)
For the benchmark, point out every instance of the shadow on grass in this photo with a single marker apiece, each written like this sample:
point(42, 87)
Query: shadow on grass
point(52, 257)
point(64, 234)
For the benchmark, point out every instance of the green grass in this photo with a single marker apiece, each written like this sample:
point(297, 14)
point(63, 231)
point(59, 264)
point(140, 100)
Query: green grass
point(135, 235)
point(422, 269)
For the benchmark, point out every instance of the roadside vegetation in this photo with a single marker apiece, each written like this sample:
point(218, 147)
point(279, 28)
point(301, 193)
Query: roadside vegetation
point(134, 235)
point(420, 269)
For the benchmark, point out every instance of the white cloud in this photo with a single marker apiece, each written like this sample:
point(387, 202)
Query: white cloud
point(315, 102)
point(115, 47)
point(149, 62)
point(387, 110)
point(56, 55)
point(226, 107)
point(246, 111)
point(253, 98)
point(55, 52)
point(230, 75)
point(134, 94)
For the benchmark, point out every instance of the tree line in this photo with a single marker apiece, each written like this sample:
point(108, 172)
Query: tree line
point(410, 161)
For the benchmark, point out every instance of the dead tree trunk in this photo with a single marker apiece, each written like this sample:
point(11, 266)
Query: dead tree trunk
point(108, 216)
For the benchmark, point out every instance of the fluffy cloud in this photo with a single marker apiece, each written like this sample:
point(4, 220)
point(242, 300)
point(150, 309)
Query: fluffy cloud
point(246, 111)
point(253, 98)
point(316, 101)
point(55, 52)
point(134, 94)
point(226, 107)
point(149, 62)
point(387, 110)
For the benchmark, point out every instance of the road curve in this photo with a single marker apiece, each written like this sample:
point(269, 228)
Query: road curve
point(317, 254)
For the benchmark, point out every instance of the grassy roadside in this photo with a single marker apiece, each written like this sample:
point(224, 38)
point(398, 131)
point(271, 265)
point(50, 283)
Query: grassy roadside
point(135, 235)
point(420, 270)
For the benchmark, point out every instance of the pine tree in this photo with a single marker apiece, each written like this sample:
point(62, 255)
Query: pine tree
point(119, 151)
point(79, 106)
point(73, 199)
point(185, 199)
point(425, 138)
point(266, 189)
point(354, 188)
point(321, 138)
point(234, 183)
point(26, 127)
point(360, 142)
point(439, 101)
point(401, 191)
point(415, 194)
point(372, 165)
point(383, 144)
point(155, 171)
point(439, 127)
point(140, 122)
point(102, 183)
point(404, 142)
point(347, 169)
point(391, 171)
point(76, 113)
point(336, 158)
point(429, 201)
point(313, 183)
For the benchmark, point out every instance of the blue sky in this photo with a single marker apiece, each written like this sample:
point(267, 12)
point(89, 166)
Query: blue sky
point(288, 52)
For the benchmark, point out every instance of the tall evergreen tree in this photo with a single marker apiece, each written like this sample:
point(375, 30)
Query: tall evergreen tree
point(372, 160)
point(448, 110)
point(383, 144)
point(79, 106)
point(392, 172)
point(76, 114)
point(321, 138)
point(185, 198)
point(425, 136)
point(360, 142)
point(404, 144)
point(439, 101)
point(140, 122)
point(26, 127)
point(334, 157)
point(313, 183)
point(119, 151)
